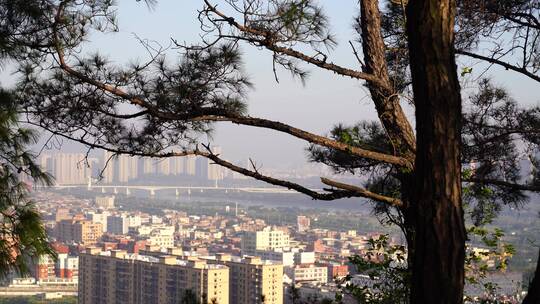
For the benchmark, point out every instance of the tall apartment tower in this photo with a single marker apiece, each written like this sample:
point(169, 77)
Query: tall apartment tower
point(215, 172)
point(148, 166)
point(177, 166)
point(253, 279)
point(107, 165)
point(190, 165)
point(69, 168)
point(207, 170)
point(116, 277)
point(127, 168)
point(164, 166)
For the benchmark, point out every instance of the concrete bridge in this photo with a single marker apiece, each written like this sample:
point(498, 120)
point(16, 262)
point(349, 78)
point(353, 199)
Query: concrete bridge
point(179, 190)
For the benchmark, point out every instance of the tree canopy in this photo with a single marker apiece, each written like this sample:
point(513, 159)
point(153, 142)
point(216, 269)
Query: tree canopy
point(472, 139)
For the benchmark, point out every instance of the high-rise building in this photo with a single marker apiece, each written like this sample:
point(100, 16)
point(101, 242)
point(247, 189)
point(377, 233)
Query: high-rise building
point(149, 166)
point(69, 168)
point(189, 165)
point(215, 172)
point(164, 166)
point(118, 277)
point(206, 170)
point(253, 279)
point(201, 168)
point(117, 224)
point(266, 239)
point(303, 223)
point(79, 231)
point(177, 166)
point(128, 168)
point(107, 166)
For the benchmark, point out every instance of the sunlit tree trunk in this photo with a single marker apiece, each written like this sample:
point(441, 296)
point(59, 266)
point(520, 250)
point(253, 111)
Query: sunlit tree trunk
point(439, 240)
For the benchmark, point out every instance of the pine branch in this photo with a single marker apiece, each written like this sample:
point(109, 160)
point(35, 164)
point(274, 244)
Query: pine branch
point(506, 65)
point(326, 196)
point(265, 39)
point(214, 115)
point(363, 192)
point(496, 182)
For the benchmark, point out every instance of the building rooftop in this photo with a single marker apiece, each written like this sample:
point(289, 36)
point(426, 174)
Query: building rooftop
point(164, 259)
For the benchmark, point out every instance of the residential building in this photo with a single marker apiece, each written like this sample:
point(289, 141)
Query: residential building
point(67, 267)
point(117, 224)
point(119, 277)
point(79, 231)
point(266, 239)
point(127, 168)
point(69, 168)
point(287, 256)
point(43, 268)
point(253, 279)
point(307, 273)
point(99, 218)
point(107, 167)
point(162, 237)
point(105, 202)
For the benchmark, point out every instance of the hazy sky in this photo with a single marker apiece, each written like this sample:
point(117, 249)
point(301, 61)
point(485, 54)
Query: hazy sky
point(322, 102)
point(325, 100)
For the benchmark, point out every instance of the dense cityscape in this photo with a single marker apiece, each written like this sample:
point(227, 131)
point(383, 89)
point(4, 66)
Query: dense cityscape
point(117, 248)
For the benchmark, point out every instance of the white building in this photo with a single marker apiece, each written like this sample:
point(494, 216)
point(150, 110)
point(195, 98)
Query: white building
point(69, 168)
point(302, 258)
point(127, 168)
point(266, 239)
point(308, 273)
point(99, 218)
point(134, 221)
point(287, 256)
point(67, 266)
point(161, 237)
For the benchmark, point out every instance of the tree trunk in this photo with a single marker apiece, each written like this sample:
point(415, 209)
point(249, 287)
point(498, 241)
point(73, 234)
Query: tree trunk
point(533, 295)
point(386, 100)
point(439, 241)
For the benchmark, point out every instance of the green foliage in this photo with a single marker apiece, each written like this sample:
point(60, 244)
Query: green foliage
point(189, 297)
point(492, 256)
point(386, 267)
point(366, 135)
point(387, 276)
point(24, 238)
point(466, 70)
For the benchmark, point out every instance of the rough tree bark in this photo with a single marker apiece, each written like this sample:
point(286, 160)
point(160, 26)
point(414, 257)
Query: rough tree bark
point(387, 104)
point(438, 262)
point(385, 98)
point(533, 295)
